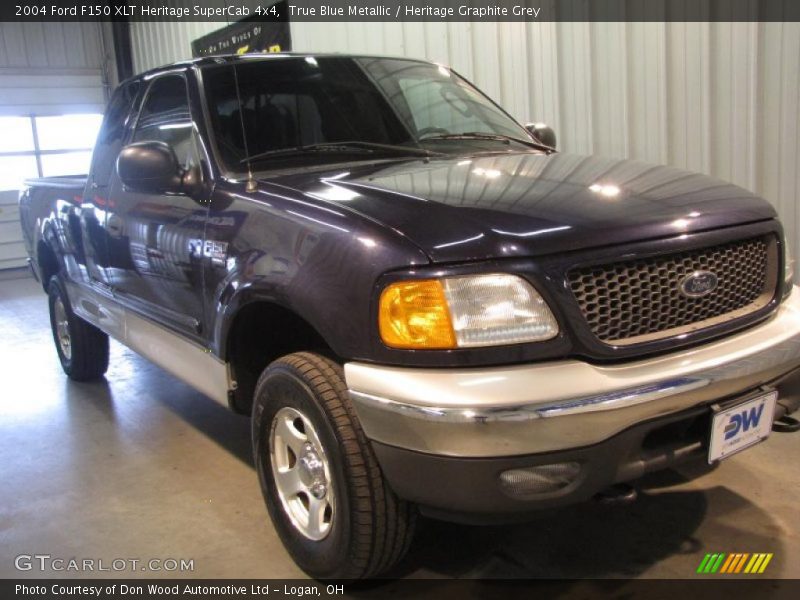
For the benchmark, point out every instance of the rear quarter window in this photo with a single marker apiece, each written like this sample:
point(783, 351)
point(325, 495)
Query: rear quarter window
point(113, 131)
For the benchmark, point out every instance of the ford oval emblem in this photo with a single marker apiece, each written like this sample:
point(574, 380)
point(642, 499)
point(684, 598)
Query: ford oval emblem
point(699, 283)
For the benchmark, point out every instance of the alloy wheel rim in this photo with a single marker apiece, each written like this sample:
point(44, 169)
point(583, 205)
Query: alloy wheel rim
point(62, 329)
point(302, 474)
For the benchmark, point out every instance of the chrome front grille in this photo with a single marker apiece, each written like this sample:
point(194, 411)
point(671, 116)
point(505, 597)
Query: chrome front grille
point(641, 300)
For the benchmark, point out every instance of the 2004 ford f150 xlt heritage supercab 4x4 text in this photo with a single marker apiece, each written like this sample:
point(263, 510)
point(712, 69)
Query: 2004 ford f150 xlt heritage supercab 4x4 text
point(422, 305)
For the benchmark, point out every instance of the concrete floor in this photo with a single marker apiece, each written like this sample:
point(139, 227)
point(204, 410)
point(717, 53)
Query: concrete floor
point(141, 466)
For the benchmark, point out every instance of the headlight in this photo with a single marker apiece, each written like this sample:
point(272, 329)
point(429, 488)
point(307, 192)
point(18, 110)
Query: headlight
point(463, 312)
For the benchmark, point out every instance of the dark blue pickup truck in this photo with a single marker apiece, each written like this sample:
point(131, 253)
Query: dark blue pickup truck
point(423, 306)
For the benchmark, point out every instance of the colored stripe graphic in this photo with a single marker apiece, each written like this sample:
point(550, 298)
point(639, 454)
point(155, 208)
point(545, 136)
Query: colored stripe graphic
point(759, 563)
point(767, 558)
point(710, 564)
point(727, 564)
point(753, 561)
point(717, 563)
point(737, 562)
point(703, 563)
point(730, 564)
point(741, 562)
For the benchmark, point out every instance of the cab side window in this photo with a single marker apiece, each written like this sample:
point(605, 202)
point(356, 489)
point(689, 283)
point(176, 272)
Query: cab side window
point(165, 117)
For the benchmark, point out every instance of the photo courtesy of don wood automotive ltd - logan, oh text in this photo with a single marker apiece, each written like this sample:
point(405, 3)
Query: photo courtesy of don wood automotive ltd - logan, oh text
point(399, 299)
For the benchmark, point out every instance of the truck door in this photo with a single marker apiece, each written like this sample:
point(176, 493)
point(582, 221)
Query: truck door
point(96, 198)
point(155, 240)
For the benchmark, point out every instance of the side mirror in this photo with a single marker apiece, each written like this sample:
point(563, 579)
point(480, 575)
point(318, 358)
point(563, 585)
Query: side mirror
point(543, 133)
point(150, 167)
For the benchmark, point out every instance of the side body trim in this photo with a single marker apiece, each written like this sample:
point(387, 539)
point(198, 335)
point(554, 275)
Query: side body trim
point(189, 362)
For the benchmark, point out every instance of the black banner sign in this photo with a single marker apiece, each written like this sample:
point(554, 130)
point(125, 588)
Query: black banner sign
point(397, 589)
point(229, 11)
point(251, 34)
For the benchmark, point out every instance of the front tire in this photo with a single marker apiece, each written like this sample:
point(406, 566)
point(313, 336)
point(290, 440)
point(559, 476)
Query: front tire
point(324, 490)
point(82, 348)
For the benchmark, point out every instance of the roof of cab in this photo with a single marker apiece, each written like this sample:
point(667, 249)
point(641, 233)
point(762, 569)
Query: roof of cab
point(217, 59)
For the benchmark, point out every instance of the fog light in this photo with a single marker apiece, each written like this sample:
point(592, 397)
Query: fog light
point(540, 479)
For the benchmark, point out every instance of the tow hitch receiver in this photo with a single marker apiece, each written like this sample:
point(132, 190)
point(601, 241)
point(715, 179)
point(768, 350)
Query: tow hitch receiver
point(786, 424)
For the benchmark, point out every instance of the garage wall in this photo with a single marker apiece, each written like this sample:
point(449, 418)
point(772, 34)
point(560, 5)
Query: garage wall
point(156, 44)
point(46, 69)
point(720, 98)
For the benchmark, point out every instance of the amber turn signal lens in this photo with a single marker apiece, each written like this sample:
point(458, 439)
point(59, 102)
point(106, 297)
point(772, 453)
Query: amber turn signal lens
point(414, 315)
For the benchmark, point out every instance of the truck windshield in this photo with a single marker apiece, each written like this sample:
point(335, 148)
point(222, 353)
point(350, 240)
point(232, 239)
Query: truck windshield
point(323, 109)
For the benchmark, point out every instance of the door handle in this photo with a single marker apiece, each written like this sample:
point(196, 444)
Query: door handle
point(114, 226)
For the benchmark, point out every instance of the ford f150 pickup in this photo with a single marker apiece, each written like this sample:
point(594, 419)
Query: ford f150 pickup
point(422, 305)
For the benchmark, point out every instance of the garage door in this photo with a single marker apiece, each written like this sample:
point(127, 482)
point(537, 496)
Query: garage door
point(52, 95)
point(12, 252)
point(42, 139)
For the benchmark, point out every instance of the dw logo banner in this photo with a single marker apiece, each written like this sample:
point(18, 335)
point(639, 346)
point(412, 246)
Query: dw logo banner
point(744, 420)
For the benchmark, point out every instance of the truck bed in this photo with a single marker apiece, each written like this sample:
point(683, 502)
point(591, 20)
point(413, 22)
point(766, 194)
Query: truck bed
point(49, 209)
point(63, 181)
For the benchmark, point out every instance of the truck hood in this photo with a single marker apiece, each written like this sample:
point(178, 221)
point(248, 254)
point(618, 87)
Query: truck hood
point(514, 205)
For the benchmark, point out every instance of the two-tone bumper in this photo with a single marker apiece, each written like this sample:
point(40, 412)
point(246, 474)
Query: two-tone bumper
point(532, 414)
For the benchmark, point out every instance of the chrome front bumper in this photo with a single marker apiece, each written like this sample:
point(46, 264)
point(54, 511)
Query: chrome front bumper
point(536, 408)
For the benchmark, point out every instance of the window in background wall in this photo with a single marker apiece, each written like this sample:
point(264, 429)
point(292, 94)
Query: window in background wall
point(16, 138)
point(45, 147)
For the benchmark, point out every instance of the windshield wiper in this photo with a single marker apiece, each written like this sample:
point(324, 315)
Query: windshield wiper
point(481, 135)
point(349, 147)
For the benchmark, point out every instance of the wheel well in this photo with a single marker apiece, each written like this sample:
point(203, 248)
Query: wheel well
point(261, 333)
point(48, 263)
